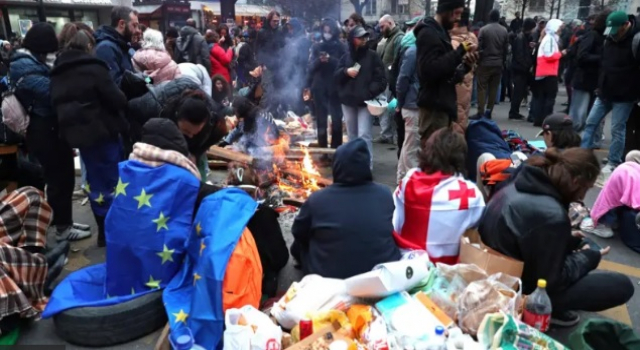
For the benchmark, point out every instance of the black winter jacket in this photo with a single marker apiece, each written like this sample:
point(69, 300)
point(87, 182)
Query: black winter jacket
point(320, 75)
point(620, 70)
point(269, 46)
point(345, 229)
point(90, 106)
point(587, 61)
point(370, 82)
point(152, 104)
point(522, 54)
point(194, 45)
point(521, 221)
point(437, 65)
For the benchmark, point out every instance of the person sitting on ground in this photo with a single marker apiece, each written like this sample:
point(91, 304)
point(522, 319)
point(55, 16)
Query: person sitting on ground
point(27, 271)
point(256, 128)
point(531, 212)
point(345, 229)
point(557, 131)
point(620, 193)
point(434, 203)
point(154, 60)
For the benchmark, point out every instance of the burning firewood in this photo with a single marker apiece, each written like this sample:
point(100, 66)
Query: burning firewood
point(229, 155)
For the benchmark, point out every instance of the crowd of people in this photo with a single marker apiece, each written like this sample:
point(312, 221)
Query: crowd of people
point(100, 93)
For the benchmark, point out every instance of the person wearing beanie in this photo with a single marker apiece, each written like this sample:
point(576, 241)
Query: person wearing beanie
point(91, 113)
point(440, 67)
point(493, 42)
point(113, 41)
point(521, 64)
point(52, 152)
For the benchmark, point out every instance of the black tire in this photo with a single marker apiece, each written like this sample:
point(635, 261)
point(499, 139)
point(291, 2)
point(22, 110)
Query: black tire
point(112, 325)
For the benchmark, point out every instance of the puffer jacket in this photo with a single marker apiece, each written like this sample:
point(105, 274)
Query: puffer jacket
point(34, 90)
point(151, 104)
point(198, 73)
point(114, 51)
point(89, 105)
point(521, 221)
point(157, 64)
point(194, 45)
point(465, 87)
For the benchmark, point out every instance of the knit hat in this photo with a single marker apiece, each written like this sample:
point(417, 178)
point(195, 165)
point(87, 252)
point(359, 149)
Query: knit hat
point(449, 5)
point(41, 38)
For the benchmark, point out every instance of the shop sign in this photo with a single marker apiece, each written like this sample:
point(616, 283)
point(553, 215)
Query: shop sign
point(178, 9)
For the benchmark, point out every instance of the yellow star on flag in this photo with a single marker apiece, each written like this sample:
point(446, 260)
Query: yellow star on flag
point(198, 229)
point(87, 188)
point(181, 316)
point(161, 222)
point(121, 188)
point(100, 199)
point(166, 254)
point(143, 199)
point(202, 246)
point(153, 283)
point(196, 277)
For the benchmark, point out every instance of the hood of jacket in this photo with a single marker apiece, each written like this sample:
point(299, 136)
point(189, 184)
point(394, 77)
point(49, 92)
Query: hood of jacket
point(106, 33)
point(351, 163)
point(534, 180)
point(296, 25)
point(429, 22)
point(335, 30)
point(72, 58)
point(156, 64)
point(23, 63)
point(188, 31)
point(164, 133)
point(408, 39)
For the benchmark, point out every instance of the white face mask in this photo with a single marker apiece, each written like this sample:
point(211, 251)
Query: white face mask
point(327, 36)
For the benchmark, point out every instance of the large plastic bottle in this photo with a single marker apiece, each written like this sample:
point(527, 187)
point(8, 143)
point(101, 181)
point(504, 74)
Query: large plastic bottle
point(438, 340)
point(537, 309)
point(182, 339)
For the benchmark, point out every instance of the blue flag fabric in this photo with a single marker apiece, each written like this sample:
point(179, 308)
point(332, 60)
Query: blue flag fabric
point(194, 297)
point(147, 226)
point(147, 229)
point(100, 161)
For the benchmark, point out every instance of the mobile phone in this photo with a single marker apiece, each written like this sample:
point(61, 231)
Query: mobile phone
point(356, 66)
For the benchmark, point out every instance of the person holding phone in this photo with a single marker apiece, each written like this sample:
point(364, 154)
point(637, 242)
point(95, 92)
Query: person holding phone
point(360, 76)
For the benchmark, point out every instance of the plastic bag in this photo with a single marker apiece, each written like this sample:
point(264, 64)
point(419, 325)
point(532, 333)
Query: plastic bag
point(468, 272)
point(597, 334)
point(481, 298)
point(369, 327)
point(501, 331)
point(249, 329)
point(308, 295)
point(323, 319)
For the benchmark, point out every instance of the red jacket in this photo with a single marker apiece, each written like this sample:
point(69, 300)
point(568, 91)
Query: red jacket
point(220, 61)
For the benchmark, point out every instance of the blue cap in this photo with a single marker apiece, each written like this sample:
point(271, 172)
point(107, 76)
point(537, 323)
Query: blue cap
point(439, 330)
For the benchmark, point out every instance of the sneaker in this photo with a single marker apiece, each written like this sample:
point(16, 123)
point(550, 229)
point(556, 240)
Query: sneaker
point(565, 319)
point(72, 234)
point(382, 140)
point(605, 173)
point(81, 227)
point(600, 230)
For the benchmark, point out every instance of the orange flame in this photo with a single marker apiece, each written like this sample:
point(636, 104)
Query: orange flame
point(306, 184)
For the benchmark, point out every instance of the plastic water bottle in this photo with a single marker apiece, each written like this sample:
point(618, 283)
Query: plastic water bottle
point(438, 341)
point(537, 309)
point(182, 339)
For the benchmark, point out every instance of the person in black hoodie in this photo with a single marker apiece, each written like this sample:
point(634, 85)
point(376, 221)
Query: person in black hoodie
point(521, 64)
point(440, 67)
point(324, 59)
point(585, 77)
point(360, 77)
point(531, 211)
point(345, 229)
point(91, 116)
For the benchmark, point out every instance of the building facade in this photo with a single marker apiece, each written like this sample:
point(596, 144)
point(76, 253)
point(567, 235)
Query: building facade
point(401, 10)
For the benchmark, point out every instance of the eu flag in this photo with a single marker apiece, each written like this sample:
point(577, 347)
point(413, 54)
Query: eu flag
point(194, 297)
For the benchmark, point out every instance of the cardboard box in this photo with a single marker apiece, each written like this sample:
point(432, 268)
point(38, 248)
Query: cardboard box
point(306, 342)
point(434, 309)
point(473, 251)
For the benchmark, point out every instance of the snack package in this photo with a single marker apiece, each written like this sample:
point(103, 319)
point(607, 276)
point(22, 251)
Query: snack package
point(369, 327)
point(249, 329)
point(501, 331)
point(326, 318)
point(308, 295)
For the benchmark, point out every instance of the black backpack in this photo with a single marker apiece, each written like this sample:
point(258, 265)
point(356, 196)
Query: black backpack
point(183, 51)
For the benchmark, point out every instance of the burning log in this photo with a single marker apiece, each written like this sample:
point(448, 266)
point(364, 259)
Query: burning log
point(229, 155)
point(299, 174)
point(293, 202)
point(218, 164)
point(311, 150)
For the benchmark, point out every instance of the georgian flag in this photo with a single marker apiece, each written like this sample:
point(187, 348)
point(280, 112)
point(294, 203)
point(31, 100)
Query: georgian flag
point(433, 211)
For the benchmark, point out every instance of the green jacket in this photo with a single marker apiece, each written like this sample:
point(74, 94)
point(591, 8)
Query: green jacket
point(392, 47)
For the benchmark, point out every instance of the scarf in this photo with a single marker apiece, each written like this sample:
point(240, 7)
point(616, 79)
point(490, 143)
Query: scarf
point(155, 157)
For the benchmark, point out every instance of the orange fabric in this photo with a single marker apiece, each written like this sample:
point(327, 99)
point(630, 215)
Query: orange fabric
point(492, 171)
point(242, 283)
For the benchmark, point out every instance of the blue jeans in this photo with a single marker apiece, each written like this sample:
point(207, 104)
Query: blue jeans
point(359, 124)
point(619, 114)
point(579, 109)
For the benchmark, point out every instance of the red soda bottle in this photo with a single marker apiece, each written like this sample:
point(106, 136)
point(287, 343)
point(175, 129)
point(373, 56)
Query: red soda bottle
point(306, 328)
point(537, 309)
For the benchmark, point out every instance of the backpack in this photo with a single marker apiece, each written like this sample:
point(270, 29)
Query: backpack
point(242, 284)
point(183, 51)
point(14, 115)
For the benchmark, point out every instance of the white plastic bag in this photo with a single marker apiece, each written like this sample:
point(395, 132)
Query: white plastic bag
point(308, 295)
point(249, 329)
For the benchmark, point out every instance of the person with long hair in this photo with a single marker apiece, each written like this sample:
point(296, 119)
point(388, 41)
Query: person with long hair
point(91, 114)
point(434, 196)
point(523, 218)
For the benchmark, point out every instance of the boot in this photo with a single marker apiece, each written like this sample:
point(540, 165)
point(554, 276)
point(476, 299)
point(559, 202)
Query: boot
point(101, 237)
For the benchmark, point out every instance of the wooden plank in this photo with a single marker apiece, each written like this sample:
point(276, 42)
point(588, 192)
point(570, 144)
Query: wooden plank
point(293, 202)
point(312, 151)
point(163, 340)
point(229, 155)
point(218, 164)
